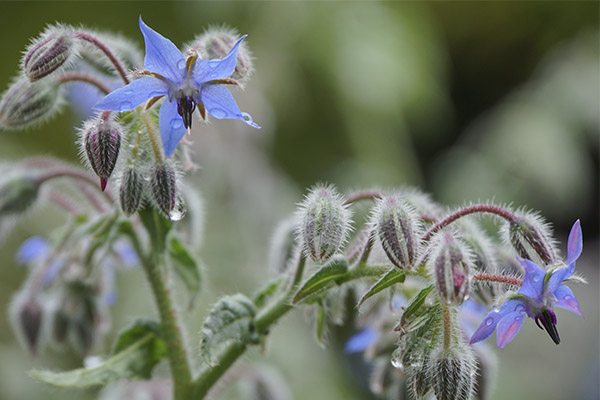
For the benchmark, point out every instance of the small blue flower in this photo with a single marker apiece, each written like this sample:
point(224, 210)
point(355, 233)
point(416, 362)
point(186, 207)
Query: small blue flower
point(362, 340)
point(540, 291)
point(32, 249)
point(187, 84)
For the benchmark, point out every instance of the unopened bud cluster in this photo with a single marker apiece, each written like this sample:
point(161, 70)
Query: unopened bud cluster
point(324, 223)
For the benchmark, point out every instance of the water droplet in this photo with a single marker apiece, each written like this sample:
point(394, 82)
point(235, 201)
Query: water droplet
point(218, 113)
point(128, 92)
point(125, 106)
point(536, 278)
point(176, 123)
point(396, 363)
point(567, 297)
point(181, 64)
point(213, 64)
point(489, 321)
point(178, 211)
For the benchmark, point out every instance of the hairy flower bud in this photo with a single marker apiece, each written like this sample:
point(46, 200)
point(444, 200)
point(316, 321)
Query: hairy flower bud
point(101, 139)
point(395, 225)
point(215, 43)
point(452, 374)
point(531, 238)
point(27, 317)
point(25, 103)
point(18, 193)
point(47, 53)
point(163, 182)
point(450, 264)
point(131, 190)
point(324, 223)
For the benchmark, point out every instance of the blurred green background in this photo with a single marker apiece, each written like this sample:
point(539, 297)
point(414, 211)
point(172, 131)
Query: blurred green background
point(468, 101)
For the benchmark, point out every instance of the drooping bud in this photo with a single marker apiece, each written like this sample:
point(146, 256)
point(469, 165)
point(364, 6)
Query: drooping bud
point(452, 374)
point(396, 226)
point(26, 317)
point(18, 193)
point(215, 43)
point(450, 264)
point(130, 191)
point(47, 53)
point(101, 138)
point(282, 247)
point(163, 180)
point(324, 223)
point(531, 238)
point(26, 103)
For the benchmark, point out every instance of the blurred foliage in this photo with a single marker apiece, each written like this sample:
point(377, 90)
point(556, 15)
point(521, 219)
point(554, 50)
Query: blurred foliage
point(466, 100)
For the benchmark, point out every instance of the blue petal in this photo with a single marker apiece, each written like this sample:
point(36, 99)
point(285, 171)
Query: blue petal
point(171, 126)
point(566, 299)
point(162, 56)
point(508, 327)
point(556, 278)
point(32, 249)
point(574, 245)
point(208, 70)
point(533, 281)
point(130, 96)
point(52, 270)
point(220, 104)
point(362, 340)
point(487, 326)
point(126, 253)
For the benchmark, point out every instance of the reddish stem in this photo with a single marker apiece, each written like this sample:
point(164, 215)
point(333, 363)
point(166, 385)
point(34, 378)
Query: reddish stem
point(479, 208)
point(102, 47)
point(499, 278)
point(74, 76)
point(363, 195)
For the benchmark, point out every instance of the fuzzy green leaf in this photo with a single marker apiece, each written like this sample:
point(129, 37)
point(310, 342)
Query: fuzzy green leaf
point(329, 273)
point(262, 297)
point(392, 277)
point(137, 351)
point(231, 319)
point(413, 311)
point(320, 322)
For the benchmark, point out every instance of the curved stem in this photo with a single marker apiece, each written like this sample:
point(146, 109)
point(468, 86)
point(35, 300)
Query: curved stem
point(498, 278)
point(103, 48)
point(66, 172)
point(479, 208)
point(74, 76)
point(363, 195)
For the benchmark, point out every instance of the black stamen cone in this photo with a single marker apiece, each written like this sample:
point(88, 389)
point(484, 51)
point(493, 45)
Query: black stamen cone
point(185, 107)
point(548, 319)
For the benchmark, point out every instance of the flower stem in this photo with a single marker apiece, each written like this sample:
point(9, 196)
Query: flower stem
point(479, 208)
point(74, 76)
point(498, 278)
point(103, 48)
point(362, 195)
point(154, 138)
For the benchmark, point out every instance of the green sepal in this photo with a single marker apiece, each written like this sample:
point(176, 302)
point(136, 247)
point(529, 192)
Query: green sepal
point(392, 277)
point(334, 269)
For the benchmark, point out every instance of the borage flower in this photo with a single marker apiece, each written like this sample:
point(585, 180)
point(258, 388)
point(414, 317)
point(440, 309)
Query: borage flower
point(540, 291)
point(188, 84)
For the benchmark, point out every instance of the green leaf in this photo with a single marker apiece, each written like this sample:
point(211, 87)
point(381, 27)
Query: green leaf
point(137, 351)
point(329, 273)
point(265, 294)
point(186, 265)
point(413, 311)
point(231, 319)
point(320, 324)
point(392, 277)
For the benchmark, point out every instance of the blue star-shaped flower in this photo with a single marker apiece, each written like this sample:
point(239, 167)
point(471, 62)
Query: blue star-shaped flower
point(540, 291)
point(187, 84)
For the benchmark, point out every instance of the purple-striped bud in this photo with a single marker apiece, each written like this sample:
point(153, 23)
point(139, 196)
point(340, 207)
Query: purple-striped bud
point(396, 226)
point(26, 317)
point(131, 191)
point(453, 374)
point(102, 142)
point(163, 180)
point(47, 54)
point(215, 43)
point(26, 103)
point(324, 223)
point(450, 264)
point(531, 238)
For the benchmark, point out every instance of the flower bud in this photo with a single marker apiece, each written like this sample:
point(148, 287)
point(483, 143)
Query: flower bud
point(47, 54)
point(131, 190)
point(164, 192)
point(215, 43)
point(324, 223)
point(452, 375)
point(283, 245)
point(26, 317)
point(395, 225)
point(450, 264)
point(25, 103)
point(531, 237)
point(18, 193)
point(102, 141)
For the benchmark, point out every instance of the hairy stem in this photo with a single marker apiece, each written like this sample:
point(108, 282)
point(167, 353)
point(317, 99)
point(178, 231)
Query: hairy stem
point(498, 278)
point(362, 195)
point(75, 76)
point(103, 48)
point(479, 208)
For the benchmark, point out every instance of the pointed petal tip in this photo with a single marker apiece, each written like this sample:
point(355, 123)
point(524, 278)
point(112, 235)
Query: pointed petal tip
point(103, 182)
